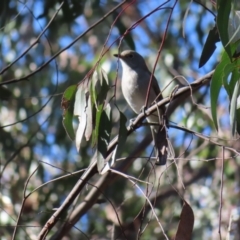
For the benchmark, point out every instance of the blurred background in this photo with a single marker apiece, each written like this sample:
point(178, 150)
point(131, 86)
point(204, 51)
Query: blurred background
point(32, 135)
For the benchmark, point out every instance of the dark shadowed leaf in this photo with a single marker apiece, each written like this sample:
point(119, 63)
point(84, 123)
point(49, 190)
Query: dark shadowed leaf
point(122, 137)
point(185, 226)
point(100, 86)
point(104, 86)
point(103, 133)
point(238, 119)
point(230, 70)
point(98, 91)
point(209, 46)
point(233, 108)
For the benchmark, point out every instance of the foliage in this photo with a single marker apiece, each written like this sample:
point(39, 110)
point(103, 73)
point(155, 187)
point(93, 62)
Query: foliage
point(71, 165)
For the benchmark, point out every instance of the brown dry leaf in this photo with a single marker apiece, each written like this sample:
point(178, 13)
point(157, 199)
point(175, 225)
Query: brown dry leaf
point(185, 226)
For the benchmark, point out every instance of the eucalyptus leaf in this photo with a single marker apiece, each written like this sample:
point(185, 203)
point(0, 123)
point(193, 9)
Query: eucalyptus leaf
point(223, 12)
point(67, 105)
point(80, 111)
point(122, 137)
point(216, 84)
point(233, 108)
point(209, 46)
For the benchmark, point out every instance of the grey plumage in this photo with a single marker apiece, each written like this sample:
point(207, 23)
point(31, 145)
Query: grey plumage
point(135, 80)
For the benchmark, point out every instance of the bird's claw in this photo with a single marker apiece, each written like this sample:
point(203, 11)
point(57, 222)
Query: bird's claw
point(143, 110)
point(131, 121)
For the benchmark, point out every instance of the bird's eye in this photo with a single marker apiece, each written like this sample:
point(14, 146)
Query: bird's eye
point(130, 56)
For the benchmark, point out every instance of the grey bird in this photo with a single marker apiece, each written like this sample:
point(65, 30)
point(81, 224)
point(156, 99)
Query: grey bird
point(135, 80)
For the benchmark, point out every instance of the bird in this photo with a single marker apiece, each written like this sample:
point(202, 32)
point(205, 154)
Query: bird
point(135, 80)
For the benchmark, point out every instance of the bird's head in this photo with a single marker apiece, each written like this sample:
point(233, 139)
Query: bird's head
point(131, 58)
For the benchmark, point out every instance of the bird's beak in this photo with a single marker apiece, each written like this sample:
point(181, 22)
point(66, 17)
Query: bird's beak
point(117, 55)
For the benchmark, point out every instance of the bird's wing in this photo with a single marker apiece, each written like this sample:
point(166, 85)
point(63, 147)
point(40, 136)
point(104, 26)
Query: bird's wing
point(156, 88)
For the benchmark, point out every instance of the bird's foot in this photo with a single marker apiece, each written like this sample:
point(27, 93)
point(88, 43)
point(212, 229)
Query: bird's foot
point(131, 121)
point(143, 110)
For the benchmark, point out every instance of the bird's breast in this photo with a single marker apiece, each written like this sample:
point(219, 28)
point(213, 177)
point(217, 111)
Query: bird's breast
point(132, 90)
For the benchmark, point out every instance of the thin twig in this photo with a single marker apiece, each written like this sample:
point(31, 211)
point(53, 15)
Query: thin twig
point(35, 42)
point(92, 168)
point(62, 50)
point(24, 199)
point(149, 202)
point(221, 199)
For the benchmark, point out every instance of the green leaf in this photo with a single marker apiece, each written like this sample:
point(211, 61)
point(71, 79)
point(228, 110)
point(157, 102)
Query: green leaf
point(122, 137)
point(98, 91)
point(103, 133)
point(105, 127)
point(67, 105)
point(209, 46)
point(216, 84)
point(96, 129)
point(67, 124)
point(70, 92)
point(223, 12)
point(233, 108)
point(230, 69)
point(99, 87)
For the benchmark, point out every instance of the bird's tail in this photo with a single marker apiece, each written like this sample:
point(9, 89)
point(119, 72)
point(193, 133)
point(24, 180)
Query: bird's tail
point(160, 144)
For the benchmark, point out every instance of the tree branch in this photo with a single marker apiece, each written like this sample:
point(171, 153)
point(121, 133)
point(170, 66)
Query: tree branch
point(181, 94)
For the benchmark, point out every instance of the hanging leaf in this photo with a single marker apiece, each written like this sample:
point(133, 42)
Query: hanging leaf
point(238, 116)
point(67, 123)
point(79, 110)
point(185, 226)
point(122, 137)
point(216, 84)
point(96, 129)
point(89, 127)
point(67, 105)
point(103, 135)
point(100, 86)
point(234, 28)
point(223, 12)
point(233, 108)
point(209, 46)
point(104, 131)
